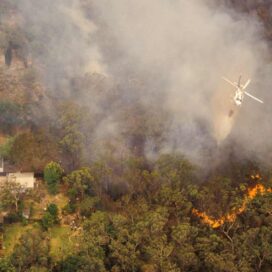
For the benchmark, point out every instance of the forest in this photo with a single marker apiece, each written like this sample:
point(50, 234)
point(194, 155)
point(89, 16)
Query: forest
point(132, 172)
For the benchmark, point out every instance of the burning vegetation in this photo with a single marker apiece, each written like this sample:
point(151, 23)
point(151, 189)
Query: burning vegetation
point(231, 217)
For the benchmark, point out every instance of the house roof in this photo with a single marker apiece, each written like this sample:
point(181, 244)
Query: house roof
point(25, 179)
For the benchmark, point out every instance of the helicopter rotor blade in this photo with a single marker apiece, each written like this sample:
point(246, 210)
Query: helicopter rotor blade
point(253, 97)
point(231, 83)
point(247, 83)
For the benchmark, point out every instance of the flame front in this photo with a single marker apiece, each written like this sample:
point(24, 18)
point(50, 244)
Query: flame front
point(231, 217)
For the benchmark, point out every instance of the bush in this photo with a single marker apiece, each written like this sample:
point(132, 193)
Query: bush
point(69, 208)
point(88, 205)
point(53, 210)
point(50, 217)
point(52, 175)
point(47, 221)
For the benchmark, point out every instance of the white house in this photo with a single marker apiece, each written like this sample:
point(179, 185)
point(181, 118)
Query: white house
point(26, 180)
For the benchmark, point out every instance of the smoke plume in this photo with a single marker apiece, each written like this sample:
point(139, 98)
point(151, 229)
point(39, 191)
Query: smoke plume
point(166, 58)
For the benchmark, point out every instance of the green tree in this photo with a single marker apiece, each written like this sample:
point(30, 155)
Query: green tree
point(184, 236)
point(157, 247)
point(80, 183)
point(71, 137)
point(52, 175)
point(32, 250)
point(88, 205)
point(5, 149)
point(79, 263)
point(95, 240)
point(252, 241)
point(175, 169)
point(214, 254)
point(50, 217)
point(124, 245)
point(47, 221)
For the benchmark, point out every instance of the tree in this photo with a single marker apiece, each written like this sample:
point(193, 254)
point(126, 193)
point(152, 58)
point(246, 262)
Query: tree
point(52, 175)
point(252, 242)
point(213, 253)
point(53, 210)
point(11, 193)
point(175, 200)
point(71, 141)
point(184, 236)
point(47, 221)
point(124, 245)
point(79, 263)
point(50, 217)
point(88, 205)
point(157, 248)
point(31, 151)
point(32, 250)
point(175, 170)
point(94, 241)
point(219, 196)
point(5, 149)
point(255, 247)
point(80, 183)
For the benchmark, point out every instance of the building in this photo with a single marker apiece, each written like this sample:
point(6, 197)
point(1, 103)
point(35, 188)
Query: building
point(26, 180)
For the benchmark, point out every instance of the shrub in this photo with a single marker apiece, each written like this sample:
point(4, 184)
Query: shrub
point(52, 175)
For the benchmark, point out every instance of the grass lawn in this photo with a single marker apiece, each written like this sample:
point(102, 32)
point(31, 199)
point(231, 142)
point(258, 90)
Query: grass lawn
point(12, 234)
point(61, 241)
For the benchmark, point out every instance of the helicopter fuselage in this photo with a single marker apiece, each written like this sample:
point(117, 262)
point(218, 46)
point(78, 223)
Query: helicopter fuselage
point(238, 97)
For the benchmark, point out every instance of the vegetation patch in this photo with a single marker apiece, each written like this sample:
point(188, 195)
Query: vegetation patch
point(12, 233)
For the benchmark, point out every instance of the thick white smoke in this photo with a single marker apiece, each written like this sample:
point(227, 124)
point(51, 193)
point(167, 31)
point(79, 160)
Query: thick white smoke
point(178, 50)
point(187, 46)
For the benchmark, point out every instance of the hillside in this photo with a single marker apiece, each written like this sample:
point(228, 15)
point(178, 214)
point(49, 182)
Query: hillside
point(116, 110)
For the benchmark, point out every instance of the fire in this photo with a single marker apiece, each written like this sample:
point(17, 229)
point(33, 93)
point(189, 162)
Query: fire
point(231, 217)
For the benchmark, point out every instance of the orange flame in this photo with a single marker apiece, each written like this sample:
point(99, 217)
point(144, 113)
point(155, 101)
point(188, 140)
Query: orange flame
point(231, 217)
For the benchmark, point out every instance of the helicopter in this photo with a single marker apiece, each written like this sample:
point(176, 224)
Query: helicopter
point(240, 91)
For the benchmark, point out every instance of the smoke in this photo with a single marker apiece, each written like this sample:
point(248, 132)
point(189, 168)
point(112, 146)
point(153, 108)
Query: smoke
point(164, 57)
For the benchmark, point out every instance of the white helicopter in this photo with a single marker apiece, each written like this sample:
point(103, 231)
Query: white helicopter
point(240, 91)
